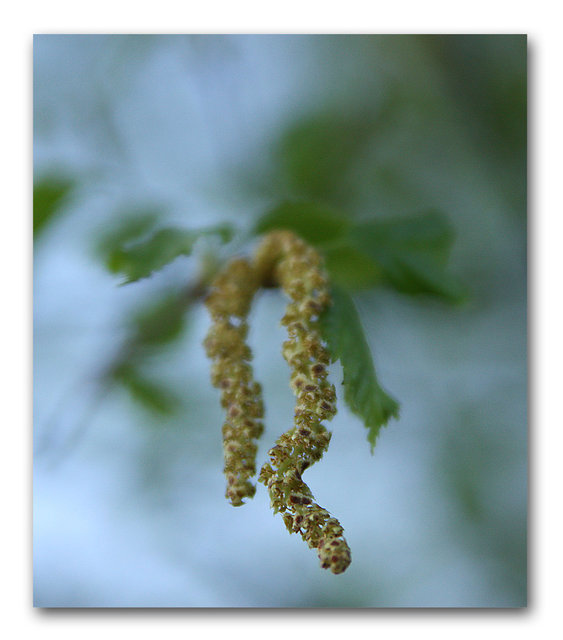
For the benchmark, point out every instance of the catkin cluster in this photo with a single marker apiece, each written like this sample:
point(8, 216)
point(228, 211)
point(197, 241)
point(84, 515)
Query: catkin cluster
point(283, 260)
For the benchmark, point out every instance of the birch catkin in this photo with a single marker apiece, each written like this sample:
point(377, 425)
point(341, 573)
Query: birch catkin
point(284, 260)
point(298, 270)
point(229, 303)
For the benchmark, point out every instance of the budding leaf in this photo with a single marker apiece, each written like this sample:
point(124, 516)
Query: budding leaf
point(142, 258)
point(342, 329)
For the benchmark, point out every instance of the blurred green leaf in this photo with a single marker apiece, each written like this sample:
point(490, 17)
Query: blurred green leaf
point(313, 222)
point(415, 274)
point(49, 195)
point(150, 329)
point(342, 329)
point(350, 268)
point(412, 253)
point(429, 232)
point(319, 153)
point(151, 395)
point(327, 230)
point(409, 253)
point(140, 259)
point(130, 226)
point(161, 322)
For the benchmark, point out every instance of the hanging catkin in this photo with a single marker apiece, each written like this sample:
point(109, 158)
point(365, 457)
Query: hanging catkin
point(229, 303)
point(282, 259)
point(297, 268)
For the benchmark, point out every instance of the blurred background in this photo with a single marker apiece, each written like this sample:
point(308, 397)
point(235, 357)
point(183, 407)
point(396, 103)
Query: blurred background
point(200, 130)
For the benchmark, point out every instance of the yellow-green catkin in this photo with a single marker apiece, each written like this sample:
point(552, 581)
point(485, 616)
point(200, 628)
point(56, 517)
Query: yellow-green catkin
point(285, 260)
point(229, 303)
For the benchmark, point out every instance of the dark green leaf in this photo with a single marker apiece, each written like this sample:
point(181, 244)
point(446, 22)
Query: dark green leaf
point(49, 195)
point(149, 394)
point(429, 232)
point(142, 258)
point(409, 254)
point(412, 253)
point(414, 274)
point(316, 153)
point(319, 153)
point(313, 222)
point(342, 329)
point(160, 323)
point(351, 268)
point(129, 226)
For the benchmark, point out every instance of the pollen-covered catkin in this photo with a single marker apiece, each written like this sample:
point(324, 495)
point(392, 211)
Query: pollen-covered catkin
point(282, 259)
point(285, 259)
point(228, 303)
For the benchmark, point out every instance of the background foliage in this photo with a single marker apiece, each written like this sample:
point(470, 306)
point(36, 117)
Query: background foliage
point(403, 159)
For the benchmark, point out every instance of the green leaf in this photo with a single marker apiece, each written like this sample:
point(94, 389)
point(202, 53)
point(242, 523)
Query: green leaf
point(409, 254)
point(318, 153)
point(314, 223)
point(129, 226)
point(161, 322)
point(413, 274)
point(142, 258)
point(151, 395)
point(327, 230)
point(412, 253)
point(342, 329)
point(49, 195)
point(350, 268)
point(429, 232)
